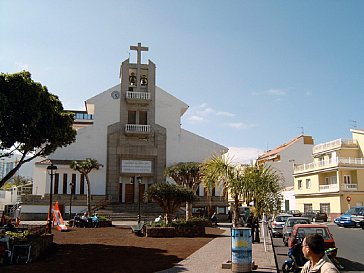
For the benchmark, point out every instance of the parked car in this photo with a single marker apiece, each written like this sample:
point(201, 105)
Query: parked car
point(299, 232)
point(290, 222)
point(352, 217)
point(361, 224)
point(278, 224)
point(315, 215)
point(295, 213)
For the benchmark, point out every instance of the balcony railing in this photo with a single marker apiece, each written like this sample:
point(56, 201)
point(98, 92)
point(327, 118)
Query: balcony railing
point(137, 129)
point(334, 145)
point(349, 187)
point(334, 162)
point(329, 188)
point(138, 95)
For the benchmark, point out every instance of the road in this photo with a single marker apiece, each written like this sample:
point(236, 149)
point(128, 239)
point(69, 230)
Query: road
point(349, 241)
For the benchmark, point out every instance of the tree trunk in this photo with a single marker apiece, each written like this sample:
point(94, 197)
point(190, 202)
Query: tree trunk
point(188, 211)
point(236, 215)
point(88, 197)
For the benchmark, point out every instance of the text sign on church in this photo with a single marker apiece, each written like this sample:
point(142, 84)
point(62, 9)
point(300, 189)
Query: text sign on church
point(136, 166)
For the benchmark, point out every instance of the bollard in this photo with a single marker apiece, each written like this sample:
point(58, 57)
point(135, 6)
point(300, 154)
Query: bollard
point(241, 250)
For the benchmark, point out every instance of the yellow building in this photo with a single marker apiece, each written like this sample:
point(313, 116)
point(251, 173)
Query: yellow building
point(335, 175)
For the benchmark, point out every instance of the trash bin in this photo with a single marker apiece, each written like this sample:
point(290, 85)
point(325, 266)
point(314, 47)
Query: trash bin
point(241, 250)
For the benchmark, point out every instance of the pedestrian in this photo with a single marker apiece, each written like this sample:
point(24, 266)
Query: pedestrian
point(250, 223)
point(313, 248)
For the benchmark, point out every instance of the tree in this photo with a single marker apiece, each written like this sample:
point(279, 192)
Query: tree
point(264, 185)
point(32, 120)
point(186, 174)
point(85, 167)
point(219, 169)
point(170, 197)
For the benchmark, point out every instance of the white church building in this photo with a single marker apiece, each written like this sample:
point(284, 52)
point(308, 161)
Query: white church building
point(134, 130)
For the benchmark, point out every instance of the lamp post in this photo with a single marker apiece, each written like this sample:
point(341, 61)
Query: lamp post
point(71, 186)
point(51, 171)
point(139, 181)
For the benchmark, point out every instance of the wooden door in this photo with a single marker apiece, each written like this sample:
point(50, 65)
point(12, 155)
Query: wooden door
point(129, 193)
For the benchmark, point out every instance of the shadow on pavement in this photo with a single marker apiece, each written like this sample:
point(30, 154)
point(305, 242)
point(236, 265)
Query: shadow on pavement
point(350, 265)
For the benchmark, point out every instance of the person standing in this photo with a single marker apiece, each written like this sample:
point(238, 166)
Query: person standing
point(313, 249)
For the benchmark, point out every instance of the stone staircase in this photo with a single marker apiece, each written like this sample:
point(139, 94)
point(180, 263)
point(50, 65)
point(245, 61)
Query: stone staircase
point(129, 212)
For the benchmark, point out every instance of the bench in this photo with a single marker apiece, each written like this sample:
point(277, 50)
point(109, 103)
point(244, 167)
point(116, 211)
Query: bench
point(138, 229)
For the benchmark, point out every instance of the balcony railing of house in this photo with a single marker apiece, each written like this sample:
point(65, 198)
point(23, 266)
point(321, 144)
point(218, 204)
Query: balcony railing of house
point(335, 187)
point(334, 144)
point(334, 162)
point(138, 95)
point(137, 128)
point(349, 187)
point(329, 188)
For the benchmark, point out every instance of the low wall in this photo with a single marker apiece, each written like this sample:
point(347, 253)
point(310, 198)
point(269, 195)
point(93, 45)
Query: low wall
point(162, 232)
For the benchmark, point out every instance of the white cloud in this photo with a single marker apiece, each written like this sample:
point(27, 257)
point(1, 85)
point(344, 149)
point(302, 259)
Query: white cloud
point(240, 125)
point(225, 114)
point(276, 92)
point(196, 119)
point(243, 154)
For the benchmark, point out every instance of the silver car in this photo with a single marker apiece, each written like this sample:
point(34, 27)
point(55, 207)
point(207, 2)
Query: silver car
point(288, 225)
point(278, 224)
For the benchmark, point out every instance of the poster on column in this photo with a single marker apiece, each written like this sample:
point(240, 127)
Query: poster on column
point(136, 166)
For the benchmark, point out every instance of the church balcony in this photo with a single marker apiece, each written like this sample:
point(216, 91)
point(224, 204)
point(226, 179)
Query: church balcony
point(138, 97)
point(137, 129)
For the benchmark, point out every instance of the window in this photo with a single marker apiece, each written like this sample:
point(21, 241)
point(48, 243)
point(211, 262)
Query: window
point(64, 191)
point(347, 179)
point(325, 207)
point(143, 117)
point(132, 117)
point(56, 183)
point(82, 184)
point(307, 207)
point(308, 183)
point(299, 184)
point(73, 183)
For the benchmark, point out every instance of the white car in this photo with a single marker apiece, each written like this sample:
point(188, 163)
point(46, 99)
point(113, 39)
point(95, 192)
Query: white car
point(278, 224)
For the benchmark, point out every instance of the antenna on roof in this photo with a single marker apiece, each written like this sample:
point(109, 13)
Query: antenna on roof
point(302, 130)
point(353, 123)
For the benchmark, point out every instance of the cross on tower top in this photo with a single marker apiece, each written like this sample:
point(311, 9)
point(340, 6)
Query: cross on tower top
point(139, 50)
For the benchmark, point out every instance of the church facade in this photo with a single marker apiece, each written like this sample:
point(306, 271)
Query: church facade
point(134, 130)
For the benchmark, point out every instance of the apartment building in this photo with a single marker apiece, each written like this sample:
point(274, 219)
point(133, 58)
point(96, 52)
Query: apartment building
point(335, 173)
point(282, 158)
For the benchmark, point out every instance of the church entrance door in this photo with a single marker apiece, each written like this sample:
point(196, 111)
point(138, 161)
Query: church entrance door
point(129, 193)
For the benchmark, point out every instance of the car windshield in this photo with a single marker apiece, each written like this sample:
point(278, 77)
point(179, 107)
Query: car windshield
point(302, 232)
point(281, 218)
point(292, 222)
point(355, 211)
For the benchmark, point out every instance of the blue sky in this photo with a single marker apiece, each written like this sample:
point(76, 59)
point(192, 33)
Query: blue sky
point(253, 72)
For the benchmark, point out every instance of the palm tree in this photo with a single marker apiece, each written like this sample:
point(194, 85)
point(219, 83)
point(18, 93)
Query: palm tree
point(186, 174)
point(85, 167)
point(264, 185)
point(219, 169)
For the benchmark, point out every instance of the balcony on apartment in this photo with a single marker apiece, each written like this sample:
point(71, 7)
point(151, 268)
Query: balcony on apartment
point(335, 162)
point(140, 97)
point(334, 145)
point(137, 130)
point(82, 119)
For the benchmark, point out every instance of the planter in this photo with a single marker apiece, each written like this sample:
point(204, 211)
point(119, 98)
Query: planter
point(163, 232)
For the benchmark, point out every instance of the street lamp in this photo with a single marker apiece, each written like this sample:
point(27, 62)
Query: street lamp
point(51, 171)
point(139, 180)
point(71, 186)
